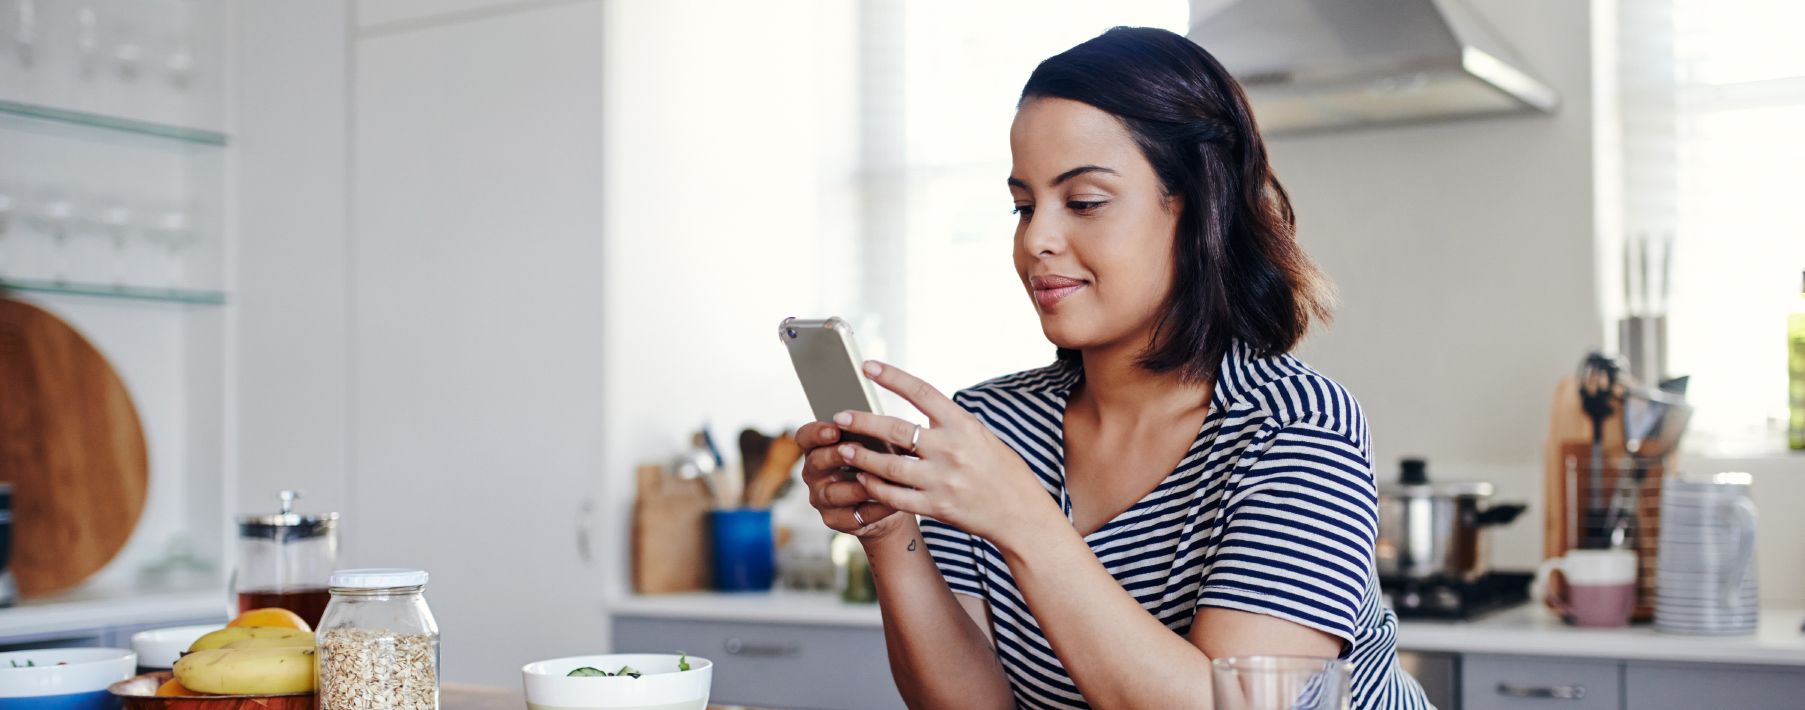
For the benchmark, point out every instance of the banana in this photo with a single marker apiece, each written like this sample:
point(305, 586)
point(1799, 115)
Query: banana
point(305, 641)
point(247, 671)
point(219, 639)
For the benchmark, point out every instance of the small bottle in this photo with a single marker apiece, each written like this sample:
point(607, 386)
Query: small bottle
point(1795, 342)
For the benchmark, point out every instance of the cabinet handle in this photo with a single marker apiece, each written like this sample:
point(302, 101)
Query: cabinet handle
point(1557, 692)
point(736, 647)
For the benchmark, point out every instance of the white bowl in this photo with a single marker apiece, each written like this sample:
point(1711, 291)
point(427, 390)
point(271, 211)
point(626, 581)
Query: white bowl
point(662, 687)
point(87, 672)
point(160, 648)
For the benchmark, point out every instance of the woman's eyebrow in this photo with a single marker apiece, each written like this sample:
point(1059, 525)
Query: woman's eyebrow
point(1080, 170)
point(1067, 175)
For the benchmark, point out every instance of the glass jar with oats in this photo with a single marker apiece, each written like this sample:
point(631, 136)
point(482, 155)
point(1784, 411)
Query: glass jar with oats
point(378, 643)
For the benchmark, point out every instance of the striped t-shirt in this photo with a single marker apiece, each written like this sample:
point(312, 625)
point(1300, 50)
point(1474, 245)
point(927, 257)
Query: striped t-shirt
point(1272, 511)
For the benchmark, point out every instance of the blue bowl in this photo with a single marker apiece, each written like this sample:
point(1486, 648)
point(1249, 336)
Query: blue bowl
point(63, 678)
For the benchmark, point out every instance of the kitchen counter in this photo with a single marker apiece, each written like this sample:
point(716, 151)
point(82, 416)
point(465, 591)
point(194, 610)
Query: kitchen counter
point(82, 610)
point(1531, 630)
point(1526, 630)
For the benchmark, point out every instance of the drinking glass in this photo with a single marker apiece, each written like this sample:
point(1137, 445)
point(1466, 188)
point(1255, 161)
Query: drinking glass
point(1282, 683)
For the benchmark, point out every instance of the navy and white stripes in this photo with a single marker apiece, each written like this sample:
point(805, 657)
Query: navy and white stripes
point(1273, 511)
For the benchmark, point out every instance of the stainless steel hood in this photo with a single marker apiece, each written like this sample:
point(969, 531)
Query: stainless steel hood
point(1311, 65)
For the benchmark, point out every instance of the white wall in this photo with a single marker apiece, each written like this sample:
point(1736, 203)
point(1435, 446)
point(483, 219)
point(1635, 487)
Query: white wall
point(730, 205)
point(1463, 254)
point(457, 342)
point(477, 306)
point(293, 265)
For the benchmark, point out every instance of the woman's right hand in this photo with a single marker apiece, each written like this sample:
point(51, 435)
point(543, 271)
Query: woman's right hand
point(834, 492)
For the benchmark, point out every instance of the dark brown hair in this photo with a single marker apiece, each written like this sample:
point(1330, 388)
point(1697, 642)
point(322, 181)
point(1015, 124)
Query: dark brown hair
point(1240, 273)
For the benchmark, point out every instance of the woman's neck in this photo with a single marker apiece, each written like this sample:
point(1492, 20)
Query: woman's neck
point(1117, 388)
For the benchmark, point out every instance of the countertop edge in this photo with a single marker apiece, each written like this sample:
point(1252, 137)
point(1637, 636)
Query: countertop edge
point(1524, 631)
point(1528, 631)
point(38, 619)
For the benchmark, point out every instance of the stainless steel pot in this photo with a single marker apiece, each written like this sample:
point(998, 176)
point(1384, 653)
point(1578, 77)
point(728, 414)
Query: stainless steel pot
point(1436, 530)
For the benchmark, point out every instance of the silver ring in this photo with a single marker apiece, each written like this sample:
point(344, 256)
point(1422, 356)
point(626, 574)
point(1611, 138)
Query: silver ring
point(856, 517)
point(915, 439)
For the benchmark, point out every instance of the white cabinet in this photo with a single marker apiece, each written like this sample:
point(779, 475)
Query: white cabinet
point(802, 666)
point(1671, 686)
point(1491, 682)
point(476, 326)
point(1510, 682)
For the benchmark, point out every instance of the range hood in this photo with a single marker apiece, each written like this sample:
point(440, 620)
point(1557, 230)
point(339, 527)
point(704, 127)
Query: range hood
point(1312, 65)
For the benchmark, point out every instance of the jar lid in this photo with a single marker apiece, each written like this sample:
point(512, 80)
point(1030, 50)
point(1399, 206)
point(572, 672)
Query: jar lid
point(377, 578)
point(286, 526)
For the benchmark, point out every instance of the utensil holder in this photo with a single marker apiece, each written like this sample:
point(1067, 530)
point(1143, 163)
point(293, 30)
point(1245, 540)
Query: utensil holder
point(745, 550)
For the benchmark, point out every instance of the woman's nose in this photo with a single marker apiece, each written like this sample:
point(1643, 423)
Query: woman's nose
point(1043, 236)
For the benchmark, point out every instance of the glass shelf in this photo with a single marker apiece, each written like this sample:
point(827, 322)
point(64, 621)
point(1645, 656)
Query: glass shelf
point(192, 297)
point(114, 123)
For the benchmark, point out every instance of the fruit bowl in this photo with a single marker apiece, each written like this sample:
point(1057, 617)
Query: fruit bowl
point(140, 693)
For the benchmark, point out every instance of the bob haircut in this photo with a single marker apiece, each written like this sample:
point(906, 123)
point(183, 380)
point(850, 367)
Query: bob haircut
point(1240, 273)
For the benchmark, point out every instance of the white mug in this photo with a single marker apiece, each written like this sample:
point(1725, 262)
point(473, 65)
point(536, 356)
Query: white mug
point(1601, 586)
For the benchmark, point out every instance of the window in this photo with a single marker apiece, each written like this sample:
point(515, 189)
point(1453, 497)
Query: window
point(939, 80)
point(1712, 104)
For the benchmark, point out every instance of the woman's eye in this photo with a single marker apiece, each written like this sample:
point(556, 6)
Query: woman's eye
point(1083, 207)
point(1023, 210)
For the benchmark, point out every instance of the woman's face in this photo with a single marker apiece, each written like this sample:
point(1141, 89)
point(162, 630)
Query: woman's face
point(1094, 242)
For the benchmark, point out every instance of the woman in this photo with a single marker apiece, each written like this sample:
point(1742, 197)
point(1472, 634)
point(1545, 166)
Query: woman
point(1175, 488)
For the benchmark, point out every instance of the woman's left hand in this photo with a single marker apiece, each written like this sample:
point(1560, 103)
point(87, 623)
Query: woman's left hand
point(959, 473)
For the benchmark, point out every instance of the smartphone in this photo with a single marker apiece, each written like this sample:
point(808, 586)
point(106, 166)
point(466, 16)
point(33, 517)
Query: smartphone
point(827, 361)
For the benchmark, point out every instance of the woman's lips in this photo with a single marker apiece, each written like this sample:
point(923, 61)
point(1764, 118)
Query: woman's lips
point(1050, 290)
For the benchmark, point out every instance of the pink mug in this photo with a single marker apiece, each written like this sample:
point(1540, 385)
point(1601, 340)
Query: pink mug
point(1601, 586)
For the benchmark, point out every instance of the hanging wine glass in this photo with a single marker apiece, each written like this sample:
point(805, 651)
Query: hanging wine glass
point(25, 34)
point(117, 221)
point(8, 206)
point(87, 39)
point(56, 218)
point(174, 229)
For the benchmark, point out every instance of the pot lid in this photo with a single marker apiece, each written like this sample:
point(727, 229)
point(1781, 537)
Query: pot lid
point(286, 525)
point(1413, 481)
point(1477, 489)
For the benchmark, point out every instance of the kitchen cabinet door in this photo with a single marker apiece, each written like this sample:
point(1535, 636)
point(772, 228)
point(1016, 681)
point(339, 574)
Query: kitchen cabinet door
point(1438, 673)
point(1523, 682)
point(476, 314)
point(1666, 686)
point(806, 667)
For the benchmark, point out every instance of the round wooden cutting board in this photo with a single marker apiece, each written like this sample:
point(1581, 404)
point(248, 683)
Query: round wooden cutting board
point(72, 447)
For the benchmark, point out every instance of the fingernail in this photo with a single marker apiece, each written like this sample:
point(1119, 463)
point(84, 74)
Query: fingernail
point(846, 452)
point(843, 418)
point(873, 369)
point(862, 478)
point(829, 433)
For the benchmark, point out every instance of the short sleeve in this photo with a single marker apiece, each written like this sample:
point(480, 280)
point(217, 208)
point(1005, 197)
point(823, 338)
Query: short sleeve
point(1298, 532)
point(955, 554)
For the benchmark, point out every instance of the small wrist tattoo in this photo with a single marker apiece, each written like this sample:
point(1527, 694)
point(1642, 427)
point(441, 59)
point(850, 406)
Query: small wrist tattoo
point(911, 544)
